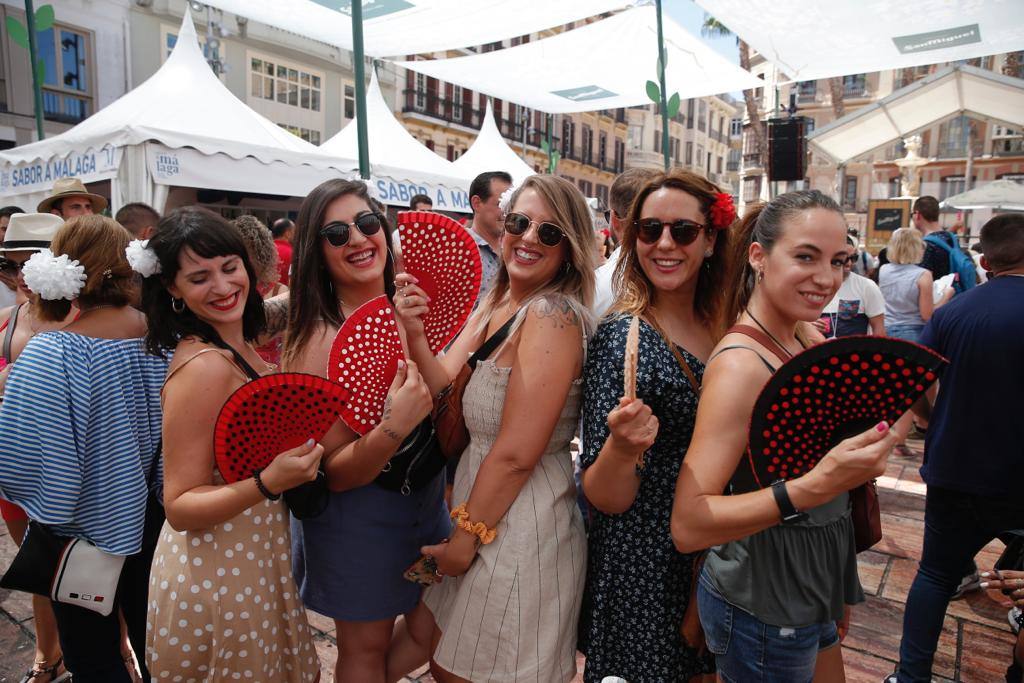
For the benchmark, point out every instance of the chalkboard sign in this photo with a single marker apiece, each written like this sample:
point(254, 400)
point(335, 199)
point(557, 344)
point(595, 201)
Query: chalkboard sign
point(884, 217)
point(887, 220)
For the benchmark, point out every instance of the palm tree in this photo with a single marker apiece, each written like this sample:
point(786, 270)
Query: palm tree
point(835, 88)
point(715, 29)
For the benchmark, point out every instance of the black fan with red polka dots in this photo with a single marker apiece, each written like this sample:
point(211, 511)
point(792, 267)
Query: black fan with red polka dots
point(831, 392)
point(442, 255)
point(270, 415)
point(364, 360)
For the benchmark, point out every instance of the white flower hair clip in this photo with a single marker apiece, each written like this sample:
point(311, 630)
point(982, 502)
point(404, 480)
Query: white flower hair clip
point(142, 259)
point(54, 277)
point(505, 201)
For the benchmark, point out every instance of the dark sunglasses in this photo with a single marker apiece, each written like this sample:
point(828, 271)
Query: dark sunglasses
point(649, 230)
point(339, 232)
point(549, 234)
point(9, 266)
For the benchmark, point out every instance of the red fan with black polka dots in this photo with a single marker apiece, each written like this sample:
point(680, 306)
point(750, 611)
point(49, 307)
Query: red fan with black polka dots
point(830, 392)
point(364, 359)
point(270, 415)
point(442, 255)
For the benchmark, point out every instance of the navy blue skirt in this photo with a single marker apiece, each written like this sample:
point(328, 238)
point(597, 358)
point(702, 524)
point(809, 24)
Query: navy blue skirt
point(348, 562)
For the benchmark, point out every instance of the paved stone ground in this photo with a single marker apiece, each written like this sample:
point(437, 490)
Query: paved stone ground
point(975, 645)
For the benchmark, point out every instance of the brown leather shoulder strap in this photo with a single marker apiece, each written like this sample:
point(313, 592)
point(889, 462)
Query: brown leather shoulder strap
point(762, 339)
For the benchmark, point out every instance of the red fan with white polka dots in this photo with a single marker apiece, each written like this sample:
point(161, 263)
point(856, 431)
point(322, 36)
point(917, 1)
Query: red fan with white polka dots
point(270, 415)
point(364, 359)
point(831, 392)
point(442, 255)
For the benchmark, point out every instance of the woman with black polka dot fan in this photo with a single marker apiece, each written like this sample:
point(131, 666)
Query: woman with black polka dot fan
point(782, 568)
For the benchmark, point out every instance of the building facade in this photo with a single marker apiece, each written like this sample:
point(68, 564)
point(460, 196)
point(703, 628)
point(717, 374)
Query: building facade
point(700, 139)
point(991, 151)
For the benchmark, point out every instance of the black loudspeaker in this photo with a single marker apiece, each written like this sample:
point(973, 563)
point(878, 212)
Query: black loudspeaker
point(787, 148)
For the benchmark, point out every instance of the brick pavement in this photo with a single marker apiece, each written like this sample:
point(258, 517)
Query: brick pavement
point(975, 644)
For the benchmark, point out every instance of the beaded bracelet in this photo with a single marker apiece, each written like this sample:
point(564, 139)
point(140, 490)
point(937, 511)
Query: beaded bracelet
point(478, 529)
point(263, 489)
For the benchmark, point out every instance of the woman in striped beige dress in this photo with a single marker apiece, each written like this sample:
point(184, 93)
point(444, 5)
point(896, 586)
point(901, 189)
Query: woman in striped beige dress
point(508, 602)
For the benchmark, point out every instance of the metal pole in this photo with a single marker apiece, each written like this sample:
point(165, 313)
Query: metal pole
point(661, 82)
point(549, 119)
point(37, 78)
point(357, 58)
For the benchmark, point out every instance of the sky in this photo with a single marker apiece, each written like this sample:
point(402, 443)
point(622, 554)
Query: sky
point(690, 16)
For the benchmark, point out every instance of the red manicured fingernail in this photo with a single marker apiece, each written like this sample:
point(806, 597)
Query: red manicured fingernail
point(882, 426)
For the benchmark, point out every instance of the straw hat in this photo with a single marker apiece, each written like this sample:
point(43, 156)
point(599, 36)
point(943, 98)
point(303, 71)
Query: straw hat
point(70, 187)
point(31, 231)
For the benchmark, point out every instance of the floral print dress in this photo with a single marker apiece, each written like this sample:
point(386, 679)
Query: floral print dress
point(638, 585)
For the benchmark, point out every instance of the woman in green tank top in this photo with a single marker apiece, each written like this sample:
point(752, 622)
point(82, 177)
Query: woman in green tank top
point(781, 568)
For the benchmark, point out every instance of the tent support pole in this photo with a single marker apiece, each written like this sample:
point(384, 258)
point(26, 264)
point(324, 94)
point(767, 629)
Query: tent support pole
point(550, 122)
point(360, 73)
point(663, 106)
point(37, 77)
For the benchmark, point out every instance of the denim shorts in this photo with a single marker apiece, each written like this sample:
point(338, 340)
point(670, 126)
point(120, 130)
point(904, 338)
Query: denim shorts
point(909, 333)
point(747, 650)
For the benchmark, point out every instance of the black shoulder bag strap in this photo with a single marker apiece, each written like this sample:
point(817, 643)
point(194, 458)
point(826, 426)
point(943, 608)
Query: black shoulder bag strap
point(9, 333)
point(493, 342)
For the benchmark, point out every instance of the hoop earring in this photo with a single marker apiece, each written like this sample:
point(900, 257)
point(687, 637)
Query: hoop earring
point(177, 305)
point(566, 267)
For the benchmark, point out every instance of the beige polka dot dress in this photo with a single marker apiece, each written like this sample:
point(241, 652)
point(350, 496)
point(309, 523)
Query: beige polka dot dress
point(223, 604)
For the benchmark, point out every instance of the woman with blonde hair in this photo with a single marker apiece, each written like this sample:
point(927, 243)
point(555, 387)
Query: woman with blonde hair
point(671, 276)
point(907, 287)
point(514, 565)
point(80, 431)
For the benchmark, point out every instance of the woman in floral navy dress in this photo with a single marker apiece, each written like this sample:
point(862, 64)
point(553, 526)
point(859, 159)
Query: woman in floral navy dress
point(638, 586)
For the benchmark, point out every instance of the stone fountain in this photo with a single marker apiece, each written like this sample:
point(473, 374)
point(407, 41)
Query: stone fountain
point(910, 167)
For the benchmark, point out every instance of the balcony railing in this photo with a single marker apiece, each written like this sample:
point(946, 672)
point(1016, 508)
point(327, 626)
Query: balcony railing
point(957, 149)
point(64, 107)
point(732, 166)
point(451, 111)
point(1005, 148)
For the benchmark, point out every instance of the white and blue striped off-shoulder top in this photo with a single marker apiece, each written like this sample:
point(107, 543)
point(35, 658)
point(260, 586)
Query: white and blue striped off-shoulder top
point(79, 428)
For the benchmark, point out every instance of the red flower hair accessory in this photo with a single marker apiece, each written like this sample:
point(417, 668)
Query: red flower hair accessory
point(723, 211)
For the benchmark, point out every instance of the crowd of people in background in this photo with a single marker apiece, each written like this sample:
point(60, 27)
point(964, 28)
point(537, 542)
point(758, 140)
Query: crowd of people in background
point(641, 548)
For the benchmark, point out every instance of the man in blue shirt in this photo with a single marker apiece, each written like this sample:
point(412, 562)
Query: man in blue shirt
point(974, 451)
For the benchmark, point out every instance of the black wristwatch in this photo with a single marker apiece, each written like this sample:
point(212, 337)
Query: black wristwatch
point(790, 515)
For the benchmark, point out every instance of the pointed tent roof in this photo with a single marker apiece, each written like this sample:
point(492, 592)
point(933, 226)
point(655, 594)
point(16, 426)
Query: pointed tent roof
point(490, 152)
point(394, 152)
point(182, 105)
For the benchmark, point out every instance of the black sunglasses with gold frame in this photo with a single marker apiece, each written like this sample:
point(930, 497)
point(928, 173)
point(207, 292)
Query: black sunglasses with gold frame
point(683, 231)
point(338, 233)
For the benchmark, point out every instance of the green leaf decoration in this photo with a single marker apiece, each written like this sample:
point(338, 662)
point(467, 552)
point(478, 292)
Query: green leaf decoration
point(18, 33)
point(553, 161)
point(673, 105)
point(44, 18)
point(41, 70)
point(654, 92)
point(544, 146)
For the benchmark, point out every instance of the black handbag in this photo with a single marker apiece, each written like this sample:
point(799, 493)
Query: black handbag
point(416, 462)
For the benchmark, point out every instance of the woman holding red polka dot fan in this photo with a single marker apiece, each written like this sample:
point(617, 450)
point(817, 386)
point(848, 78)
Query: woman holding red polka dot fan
point(781, 570)
point(222, 599)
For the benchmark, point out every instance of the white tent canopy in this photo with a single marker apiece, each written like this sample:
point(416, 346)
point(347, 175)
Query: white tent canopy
point(603, 65)
point(402, 27)
point(400, 166)
point(142, 137)
point(949, 92)
point(489, 152)
point(1005, 195)
point(811, 40)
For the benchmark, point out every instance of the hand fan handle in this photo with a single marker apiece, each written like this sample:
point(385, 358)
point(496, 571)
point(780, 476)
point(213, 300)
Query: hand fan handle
point(631, 363)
